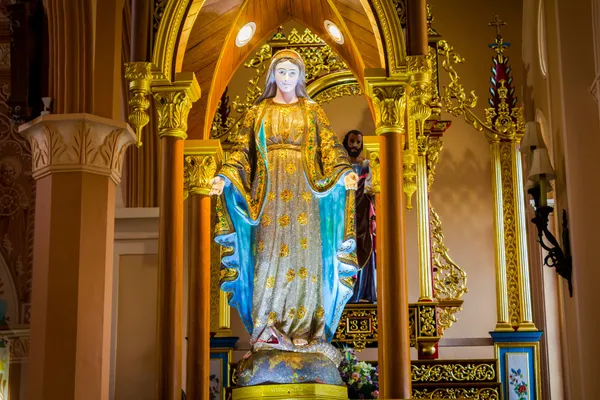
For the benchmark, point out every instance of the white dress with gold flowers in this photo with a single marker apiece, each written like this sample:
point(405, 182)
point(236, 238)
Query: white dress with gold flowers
point(288, 294)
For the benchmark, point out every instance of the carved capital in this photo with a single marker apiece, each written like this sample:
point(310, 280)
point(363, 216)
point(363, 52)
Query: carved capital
point(17, 342)
point(201, 162)
point(173, 104)
point(139, 75)
point(389, 103)
point(77, 142)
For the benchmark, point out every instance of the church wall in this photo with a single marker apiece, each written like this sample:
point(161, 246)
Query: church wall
point(136, 327)
point(573, 120)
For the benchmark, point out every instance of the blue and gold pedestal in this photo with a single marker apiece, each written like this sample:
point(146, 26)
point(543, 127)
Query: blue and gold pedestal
point(292, 392)
point(519, 357)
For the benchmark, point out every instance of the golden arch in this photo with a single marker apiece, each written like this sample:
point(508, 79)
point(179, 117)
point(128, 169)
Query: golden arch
point(179, 17)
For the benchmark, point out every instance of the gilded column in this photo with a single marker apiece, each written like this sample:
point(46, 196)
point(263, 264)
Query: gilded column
point(503, 322)
point(420, 94)
point(201, 161)
point(77, 163)
point(173, 103)
point(389, 103)
point(513, 286)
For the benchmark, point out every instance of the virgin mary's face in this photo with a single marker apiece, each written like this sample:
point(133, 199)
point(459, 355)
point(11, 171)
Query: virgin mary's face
point(286, 76)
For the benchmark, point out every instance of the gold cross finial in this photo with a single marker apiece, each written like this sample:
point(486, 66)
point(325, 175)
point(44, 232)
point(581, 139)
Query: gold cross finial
point(497, 22)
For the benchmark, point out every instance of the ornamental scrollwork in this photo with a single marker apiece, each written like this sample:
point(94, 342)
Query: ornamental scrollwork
point(454, 98)
point(509, 231)
point(427, 373)
point(427, 321)
point(358, 326)
point(337, 91)
point(434, 148)
point(450, 280)
point(412, 325)
point(457, 393)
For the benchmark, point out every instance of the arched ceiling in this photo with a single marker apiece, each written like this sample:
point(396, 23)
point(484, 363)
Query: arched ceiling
point(213, 56)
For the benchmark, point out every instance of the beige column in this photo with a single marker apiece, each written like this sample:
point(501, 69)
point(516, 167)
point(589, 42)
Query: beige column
point(173, 104)
point(202, 159)
point(77, 160)
point(389, 102)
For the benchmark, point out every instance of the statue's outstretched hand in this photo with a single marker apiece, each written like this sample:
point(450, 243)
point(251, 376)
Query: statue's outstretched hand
point(351, 181)
point(217, 184)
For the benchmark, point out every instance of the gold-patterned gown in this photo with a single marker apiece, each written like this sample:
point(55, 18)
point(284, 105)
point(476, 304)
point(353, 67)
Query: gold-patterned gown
point(286, 165)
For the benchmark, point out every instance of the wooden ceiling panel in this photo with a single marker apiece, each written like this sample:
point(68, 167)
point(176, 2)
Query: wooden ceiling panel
point(213, 56)
point(360, 27)
point(313, 14)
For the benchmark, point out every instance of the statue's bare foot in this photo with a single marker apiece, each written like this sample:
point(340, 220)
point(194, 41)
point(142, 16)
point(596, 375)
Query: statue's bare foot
point(300, 342)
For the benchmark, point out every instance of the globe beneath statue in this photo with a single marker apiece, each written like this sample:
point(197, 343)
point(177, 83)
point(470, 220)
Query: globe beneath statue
point(284, 367)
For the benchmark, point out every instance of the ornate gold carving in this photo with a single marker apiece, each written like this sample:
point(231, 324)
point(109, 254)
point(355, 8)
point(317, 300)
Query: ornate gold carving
point(457, 393)
point(307, 37)
point(427, 321)
point(419, 70)
point(450, 280)
point(201, 161)
point(197, 174)
point(509, 229)
point(159, 9)
point(358, 326)
point(64, 143)
point(389, 103)
point(139, 75)
point(400, 6)
point(395, 49)
point(455, 372)
point(173, 108)
point(335, 92)
point(167, 36)
point(454, 98)
point(507, 120)
point(457, 102)
point(228, 127)
point(412, 324)
point(433, 152)
point(430, 18)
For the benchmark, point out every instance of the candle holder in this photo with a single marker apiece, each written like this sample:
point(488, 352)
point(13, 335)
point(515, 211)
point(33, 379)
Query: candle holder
point(556, 257)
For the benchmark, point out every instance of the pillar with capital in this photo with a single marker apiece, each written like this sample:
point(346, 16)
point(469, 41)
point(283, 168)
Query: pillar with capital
point(173, 103)
point(201, 161)
point(389, 101)
point(77, 162)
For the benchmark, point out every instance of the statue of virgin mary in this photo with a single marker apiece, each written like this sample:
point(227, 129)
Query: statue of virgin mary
point(286, 221)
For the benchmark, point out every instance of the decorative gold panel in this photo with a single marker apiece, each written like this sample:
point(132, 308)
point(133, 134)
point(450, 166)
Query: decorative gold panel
point(358, 326)
point(457, 393)
point(455, 372)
